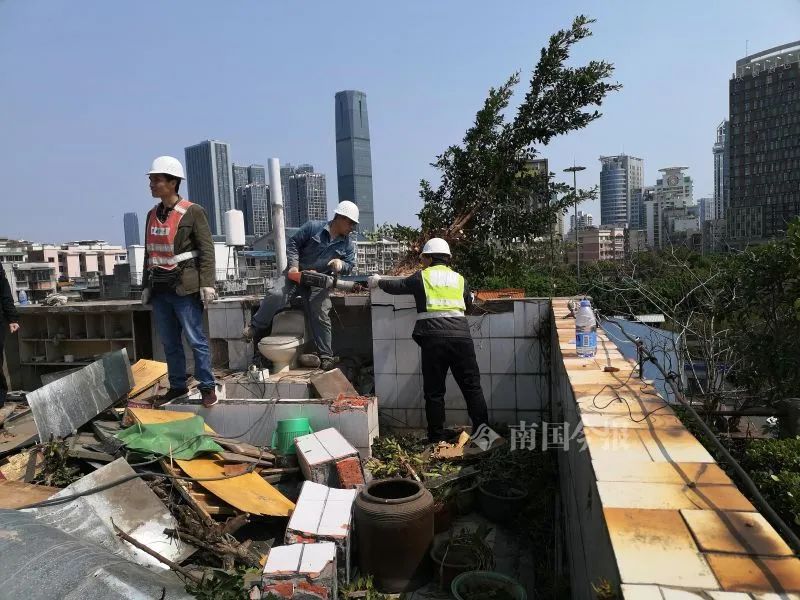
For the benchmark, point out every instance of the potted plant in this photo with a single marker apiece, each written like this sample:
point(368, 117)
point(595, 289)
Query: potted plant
point(443, 507)
point(486, 585)
point(462, 552)
point(501, 501)
point(466, 496)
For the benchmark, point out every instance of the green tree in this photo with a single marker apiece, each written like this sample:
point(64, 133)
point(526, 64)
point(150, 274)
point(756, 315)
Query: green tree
point(489, 204)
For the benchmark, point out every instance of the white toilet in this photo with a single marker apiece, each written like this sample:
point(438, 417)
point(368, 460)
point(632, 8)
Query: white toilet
point(283, 345)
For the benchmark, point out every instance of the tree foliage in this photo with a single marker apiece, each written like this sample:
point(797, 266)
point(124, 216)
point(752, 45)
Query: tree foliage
point(489, 203)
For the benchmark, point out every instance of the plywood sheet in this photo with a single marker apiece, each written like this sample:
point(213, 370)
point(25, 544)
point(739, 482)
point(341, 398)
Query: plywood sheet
point(145, 374)
point(16, 494)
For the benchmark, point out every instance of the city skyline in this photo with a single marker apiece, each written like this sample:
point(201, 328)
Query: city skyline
point(354, 155)
point(118, 137)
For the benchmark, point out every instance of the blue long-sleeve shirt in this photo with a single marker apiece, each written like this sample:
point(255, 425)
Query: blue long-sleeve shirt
point(313, 248)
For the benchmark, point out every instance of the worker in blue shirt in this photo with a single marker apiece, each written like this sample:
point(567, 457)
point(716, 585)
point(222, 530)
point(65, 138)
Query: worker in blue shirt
point(322, 246)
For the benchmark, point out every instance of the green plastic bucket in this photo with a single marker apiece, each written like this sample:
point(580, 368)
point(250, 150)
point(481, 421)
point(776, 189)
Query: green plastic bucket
point(487, 584)
point(286, 431)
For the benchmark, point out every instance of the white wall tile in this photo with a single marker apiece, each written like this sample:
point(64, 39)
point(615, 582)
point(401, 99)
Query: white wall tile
point(486, 385)
point(235, 321)
point(408, 356)
point(382, 323)
point(528, 353)
point(415, 417)
point(483, 354)
point(529, 316)
point(501, 324)
point(529, 391)
point(386, 390)
point(508, 417)
point(479, 326)
point(240, 354)
point(457, 417)
point(529, 417)
point(384, 356)
point(404, 321)
point(504, 392)
point(502, 355)
point(409, 391)
point(217, 322)
point(452, 397)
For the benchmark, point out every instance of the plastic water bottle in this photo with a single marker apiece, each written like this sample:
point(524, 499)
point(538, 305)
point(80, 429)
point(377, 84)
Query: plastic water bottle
point(585, 330)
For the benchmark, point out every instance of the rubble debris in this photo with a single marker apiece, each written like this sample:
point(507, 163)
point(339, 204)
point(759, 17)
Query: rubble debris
point(182, 438)
point(7, 410)
point(318, 453)
point(132, 505)
point(80, 570)
point(16, 494)
point(18, 433)
point(351, 474)
point(106, 432)
point(150, 552)
point(248, 493)
point(202, 502)
point(331, 384)
point(324, 514)
point(146, 374)
point(301, 571)
point(243, 448)
point(87, 447)
point(61, 407)
point(56, 469)
point(17, 467)
point(345, 402)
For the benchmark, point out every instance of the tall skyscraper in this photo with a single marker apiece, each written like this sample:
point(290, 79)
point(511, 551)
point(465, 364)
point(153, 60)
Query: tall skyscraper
point(289, 205)
point(257, 174)
point(584, 221)
point(764, 145)
point(672, 192)
point(210, 180)
point(309, 195)
point(620, 177)
point(722, 186)
point(640, 197)
point(256, 209)
point(705, 209)
point(240, 177)
point(354, 156)
point(131, 223)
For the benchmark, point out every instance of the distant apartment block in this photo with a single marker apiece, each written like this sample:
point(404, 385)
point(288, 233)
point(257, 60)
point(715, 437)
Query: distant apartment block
point(672, 191)
point(210, 180)
point(764, 146)
point(256, 208)
point(584, 220)
point(377, 255)
point(620, 177)
point(598, 244)
point(82, 261)
point(131, 223)
point(722, 185)
point(354, 155)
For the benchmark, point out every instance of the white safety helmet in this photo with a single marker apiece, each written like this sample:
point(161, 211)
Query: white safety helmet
point(436, 246)
point(347, 209)
point(168, 166)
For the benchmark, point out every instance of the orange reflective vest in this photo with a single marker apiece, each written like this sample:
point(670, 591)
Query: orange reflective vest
point(160, 238)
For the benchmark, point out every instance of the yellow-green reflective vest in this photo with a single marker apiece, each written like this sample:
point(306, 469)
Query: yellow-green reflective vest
point(444, 290)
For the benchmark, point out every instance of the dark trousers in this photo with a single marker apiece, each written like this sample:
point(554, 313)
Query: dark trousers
point(3, 383)
point(457, 354)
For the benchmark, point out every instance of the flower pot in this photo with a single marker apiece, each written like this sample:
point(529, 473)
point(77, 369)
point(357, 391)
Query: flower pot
point(466, 497)
point(501, 501)
point(442, 517)
point(450, 560)
point(478, 585)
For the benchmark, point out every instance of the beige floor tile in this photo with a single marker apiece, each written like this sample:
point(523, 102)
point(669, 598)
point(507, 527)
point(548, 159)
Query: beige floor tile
point(641, 592)
point(639, 421)
point(737, 532)
point(660, 472)
point(673, 445)
point(615, 444)
point(637, 405)
point(655, 547)
point(670, 496)
point(748, 574)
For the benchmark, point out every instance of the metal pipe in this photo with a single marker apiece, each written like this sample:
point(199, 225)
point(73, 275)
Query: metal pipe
point(278, 221)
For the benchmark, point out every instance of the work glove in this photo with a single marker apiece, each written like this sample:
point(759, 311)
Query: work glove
point(13, 327)
point(372, 281)
point(146, 295)
point(247, 333)
point(208, 295)
point(337, 264)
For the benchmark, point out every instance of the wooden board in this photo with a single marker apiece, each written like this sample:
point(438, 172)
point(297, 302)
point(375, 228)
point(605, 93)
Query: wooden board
point(16, 466)
point(145, 374)
point(16, 494)
point(249, 493)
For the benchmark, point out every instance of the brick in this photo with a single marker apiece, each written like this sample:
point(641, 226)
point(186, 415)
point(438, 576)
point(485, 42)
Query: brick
point(301, 572)
point(332, 383)
point(319, 452)
point(350, 474)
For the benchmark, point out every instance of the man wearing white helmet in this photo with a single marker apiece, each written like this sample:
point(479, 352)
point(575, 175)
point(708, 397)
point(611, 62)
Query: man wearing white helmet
point(442, 332)
point(322, 246)
point(179, 278)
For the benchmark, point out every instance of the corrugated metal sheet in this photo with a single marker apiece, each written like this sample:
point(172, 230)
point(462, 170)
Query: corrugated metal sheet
point(39, 562)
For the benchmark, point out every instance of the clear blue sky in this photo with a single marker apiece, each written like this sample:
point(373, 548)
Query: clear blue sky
point(93, 90)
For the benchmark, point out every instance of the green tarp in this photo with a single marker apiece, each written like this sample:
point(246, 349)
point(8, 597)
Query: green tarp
point(183, 439)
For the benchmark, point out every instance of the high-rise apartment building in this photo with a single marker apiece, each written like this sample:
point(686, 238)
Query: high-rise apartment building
point(240, 178)
point(620, 177)
point(354, 155)
point(257, 174)
point(584, 221)
point(210, 180)
point(289, 205)
point(309, 197)
point(131, 223)
point(672, 191)
point(705, 209)
point(764, 145)
point(256, 208)
point(722, 187)
point(640, 197)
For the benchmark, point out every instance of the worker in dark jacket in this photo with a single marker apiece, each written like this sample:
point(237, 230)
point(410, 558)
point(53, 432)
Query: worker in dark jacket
point(321, 246)
point(8, 322)
point(179, 278)
point(442, 333)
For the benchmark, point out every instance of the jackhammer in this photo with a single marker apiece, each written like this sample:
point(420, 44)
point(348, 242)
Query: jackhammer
point(320, 280)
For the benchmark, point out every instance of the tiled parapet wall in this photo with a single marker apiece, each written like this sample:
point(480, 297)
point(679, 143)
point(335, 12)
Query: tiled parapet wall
point(511, 346)
point(646, 507)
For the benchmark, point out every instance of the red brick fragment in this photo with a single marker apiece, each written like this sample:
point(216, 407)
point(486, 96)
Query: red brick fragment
point(350, 474)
